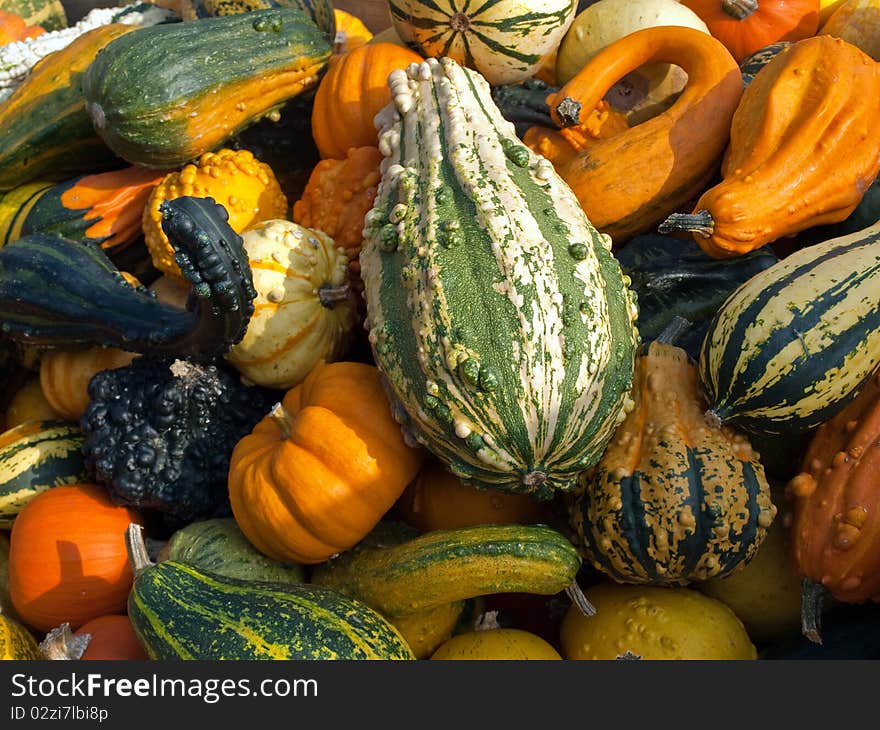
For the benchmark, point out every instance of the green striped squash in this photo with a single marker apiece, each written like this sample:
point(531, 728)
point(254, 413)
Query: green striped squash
point(504, 40)
point(166, 94)
point(497, 314)
point(182, 612)
point(443, 566)
point(672, 500)
point(34, 457)
point(794, 344)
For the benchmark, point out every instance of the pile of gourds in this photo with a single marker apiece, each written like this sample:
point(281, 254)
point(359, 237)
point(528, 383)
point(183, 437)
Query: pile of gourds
point(518, 332)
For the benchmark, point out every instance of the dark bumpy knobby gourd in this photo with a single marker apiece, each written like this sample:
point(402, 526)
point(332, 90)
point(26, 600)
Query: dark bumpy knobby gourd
point(59, 293)
point(159, 434)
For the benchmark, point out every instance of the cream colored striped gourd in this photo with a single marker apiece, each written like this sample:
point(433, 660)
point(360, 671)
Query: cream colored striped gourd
point(499, 317)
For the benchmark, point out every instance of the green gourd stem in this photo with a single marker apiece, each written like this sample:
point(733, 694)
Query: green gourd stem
point(700, 223)
point(330, 296)
point(525, 104)
point(136, 548)
point(812, 599)
point(62, 644)
point(578, 598)
point(739, 9)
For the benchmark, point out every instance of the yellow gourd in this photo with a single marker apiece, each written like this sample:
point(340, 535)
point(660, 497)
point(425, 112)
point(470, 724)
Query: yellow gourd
point(496, 644)
point(650, 622)
point(246, 187)
point(16, 642)
point(29, 404)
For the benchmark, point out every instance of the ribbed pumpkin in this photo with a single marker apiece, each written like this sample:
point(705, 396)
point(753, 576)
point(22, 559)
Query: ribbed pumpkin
point(477, 235)
point(338, 195)
point(67, 559)
point(235, 179)
point(317, 474)
point(353, 90)
point(105, 209)
point(65, 376)
point(835, 528)
point(810, 109)
point(744, 26)
point(108, 637)
point(672, 499)
point(305, 309)
point(503, 40)
point(663, 169)
point(857, 22)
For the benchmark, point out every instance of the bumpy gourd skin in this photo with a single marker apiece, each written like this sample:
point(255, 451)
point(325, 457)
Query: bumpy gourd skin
point(159, 434)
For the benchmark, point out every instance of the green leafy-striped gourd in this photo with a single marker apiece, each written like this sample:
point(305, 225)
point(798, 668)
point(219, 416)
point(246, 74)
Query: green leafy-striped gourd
point(320, 11)
point(496, 312)
point(34, 457)
point(218, 546)
point(169, 93)
point(181, 612)
point(794, 344)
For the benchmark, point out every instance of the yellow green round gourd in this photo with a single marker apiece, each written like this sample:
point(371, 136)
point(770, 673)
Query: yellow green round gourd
point(218, 546)
point(305, 310)
point(5, 600)
point(652, 622)
point(36, 456)
point(472, 234)
point(496, 644)
point(16, 642)
point(504, 40)
point(181, 612)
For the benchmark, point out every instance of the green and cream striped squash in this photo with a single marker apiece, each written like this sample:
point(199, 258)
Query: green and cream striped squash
point(181, 612)
point(34, 457)
point(504, 40)
point(672, 500)
point(497, 314)
point(791, 346)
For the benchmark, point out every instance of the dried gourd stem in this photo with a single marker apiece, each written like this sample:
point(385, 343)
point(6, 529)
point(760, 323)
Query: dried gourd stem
point(136, 548)
point(578, 598)
point(62, 644)
point(700, 223)
point(713, 419)
point(676, 328)
point(282, 418)
point(812, 597)
point(569, 112)
point(739, 9)
point(330, 296)
point(487, 621)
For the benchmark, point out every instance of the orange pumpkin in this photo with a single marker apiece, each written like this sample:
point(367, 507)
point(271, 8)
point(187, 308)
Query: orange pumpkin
point(320, 471)
point(338, 195)
point(744, 26)
point(108, 637)
point(65, 376)
point(14, 28)
point(354, 89)
point(67, 558)
point(438, 500)
point(29, 404)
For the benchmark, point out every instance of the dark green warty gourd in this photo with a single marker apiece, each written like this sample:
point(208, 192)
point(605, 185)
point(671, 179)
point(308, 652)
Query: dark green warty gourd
point(61, 293)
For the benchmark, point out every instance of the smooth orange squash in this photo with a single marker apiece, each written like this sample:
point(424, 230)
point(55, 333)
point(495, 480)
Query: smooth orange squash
point(438, 500)
point(67, 558)
point(857, 22)
point(320, 471)
point(744, 26)
point(803, 150)
point(631, 180)
point(354, 89)
point(14, 28)
point(108, 637)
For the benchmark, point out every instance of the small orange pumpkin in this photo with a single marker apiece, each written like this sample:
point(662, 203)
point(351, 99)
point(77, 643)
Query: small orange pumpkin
point(354, 89)
point(67, 558)
point(744, 26)
point(108, 637)
point(320, 471)
point(438, 500)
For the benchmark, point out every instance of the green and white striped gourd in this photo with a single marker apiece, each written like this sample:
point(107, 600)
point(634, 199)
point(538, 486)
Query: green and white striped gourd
point(794, 344)
point(505, 40)
point(499, 317)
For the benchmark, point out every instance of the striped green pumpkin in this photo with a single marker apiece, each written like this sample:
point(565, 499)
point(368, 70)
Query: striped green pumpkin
point(504, 40)
point(500, 319)
point(181, 612)
point(672, 500)
point(794, 344)
point(34, 457)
